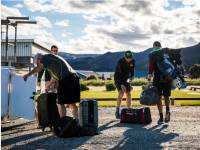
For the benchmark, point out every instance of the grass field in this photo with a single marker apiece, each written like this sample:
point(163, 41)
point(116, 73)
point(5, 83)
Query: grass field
point(136, 94)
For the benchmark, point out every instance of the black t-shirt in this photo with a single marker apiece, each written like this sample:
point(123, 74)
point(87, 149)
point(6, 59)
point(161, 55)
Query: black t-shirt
point(56, 66)
point(124, 70)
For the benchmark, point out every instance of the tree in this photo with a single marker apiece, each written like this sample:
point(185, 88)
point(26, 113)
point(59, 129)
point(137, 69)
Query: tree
point(195, 71)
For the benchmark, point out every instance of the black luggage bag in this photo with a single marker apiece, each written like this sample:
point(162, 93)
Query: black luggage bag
point(47, 110)
point(88, 117)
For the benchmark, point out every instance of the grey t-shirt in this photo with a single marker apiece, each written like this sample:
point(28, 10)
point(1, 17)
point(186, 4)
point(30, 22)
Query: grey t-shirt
point(57, 66)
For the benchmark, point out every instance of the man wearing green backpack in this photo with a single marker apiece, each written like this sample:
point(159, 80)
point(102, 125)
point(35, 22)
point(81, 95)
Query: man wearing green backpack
point(163, 86)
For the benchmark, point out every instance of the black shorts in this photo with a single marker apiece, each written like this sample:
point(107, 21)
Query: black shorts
point(127, 85)
point(69, 90)
point(164, 89)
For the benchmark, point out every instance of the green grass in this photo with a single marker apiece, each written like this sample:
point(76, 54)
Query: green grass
point(136, 94)
point(193, 81)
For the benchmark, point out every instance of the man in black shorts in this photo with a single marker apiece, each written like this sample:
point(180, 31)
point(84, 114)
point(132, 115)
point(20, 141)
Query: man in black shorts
point(124, 73)
point(68, 81)
point(163, 87)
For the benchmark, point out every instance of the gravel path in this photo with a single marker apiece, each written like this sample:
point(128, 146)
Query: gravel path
point(183, 132)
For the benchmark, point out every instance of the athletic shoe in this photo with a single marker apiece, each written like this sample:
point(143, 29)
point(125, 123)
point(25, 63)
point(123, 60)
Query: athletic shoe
point(167, 117)
point(160, 121)
point(117, 115)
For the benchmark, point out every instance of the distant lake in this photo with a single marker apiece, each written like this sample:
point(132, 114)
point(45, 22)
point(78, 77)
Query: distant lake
point(138, 74)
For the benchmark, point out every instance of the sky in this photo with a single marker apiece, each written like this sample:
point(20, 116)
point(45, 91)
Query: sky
point(99, 26)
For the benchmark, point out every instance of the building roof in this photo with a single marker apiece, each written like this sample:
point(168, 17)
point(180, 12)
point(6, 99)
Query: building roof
point(27, 41)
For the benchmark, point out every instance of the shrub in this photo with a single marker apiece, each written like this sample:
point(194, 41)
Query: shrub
point(110, 86)
point(93, 82)
point(84, 87)
point(195, 71)
point(92, 77)
point(139, 82)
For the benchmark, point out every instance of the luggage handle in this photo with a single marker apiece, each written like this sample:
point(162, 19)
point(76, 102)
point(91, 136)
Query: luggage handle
point(32, 97)
point(149, 85)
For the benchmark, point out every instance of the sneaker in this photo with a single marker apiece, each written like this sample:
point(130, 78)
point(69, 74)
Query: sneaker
point(167, 117)
point(160, 121)
point(117, 115)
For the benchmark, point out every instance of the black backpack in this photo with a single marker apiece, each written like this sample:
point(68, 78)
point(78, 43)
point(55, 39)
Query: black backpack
point(67, 127)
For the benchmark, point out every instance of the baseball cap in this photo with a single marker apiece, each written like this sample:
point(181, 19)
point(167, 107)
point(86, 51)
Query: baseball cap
point(128, 54)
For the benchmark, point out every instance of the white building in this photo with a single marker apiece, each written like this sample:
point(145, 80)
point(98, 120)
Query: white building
point(25, 50)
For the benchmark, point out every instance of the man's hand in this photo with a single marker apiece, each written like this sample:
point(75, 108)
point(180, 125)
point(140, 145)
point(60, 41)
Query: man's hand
point(150, 77)
point(51, 85)
point(129, 80)
point(34, 71)
point(25, 77)
point(123, 88)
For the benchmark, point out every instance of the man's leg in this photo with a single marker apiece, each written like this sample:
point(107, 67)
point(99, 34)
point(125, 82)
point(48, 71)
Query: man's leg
point(167, 103)
point(62, 110)
point(159, 87)
point(128, 99)
point(119, 99)
point(167, 94)
point(160, 110)
point(74, 110)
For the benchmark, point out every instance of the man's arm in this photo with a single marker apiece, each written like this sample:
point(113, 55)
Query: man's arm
point(34, 71)
point(40, 75)
point(151, 63)
point(119, 70)
point(132, 69)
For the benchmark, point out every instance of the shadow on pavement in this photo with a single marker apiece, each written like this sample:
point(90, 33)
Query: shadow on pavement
point(136, 137)
point(3, 129)
point(139, 137)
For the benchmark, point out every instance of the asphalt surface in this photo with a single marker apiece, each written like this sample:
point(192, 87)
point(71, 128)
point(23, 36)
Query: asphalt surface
point(183, 132)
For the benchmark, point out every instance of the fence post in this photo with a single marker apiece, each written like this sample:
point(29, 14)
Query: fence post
point(172, 101)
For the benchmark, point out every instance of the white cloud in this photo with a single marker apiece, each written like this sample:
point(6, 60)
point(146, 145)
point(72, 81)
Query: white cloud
point(19, 5)
point(37, 5)
point(43, 21)
point(62, 23)
point(133, 24)
point(8, 11)
point(64, 35)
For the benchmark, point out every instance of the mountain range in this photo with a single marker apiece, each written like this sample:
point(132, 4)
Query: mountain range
point(106, 62)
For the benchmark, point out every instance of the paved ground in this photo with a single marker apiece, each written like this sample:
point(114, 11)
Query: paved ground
point(183, 132)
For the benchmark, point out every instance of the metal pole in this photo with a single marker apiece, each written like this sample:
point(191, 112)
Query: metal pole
point(15, 44)
point(6, 42)
point(9, 91)
point(1, 33)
